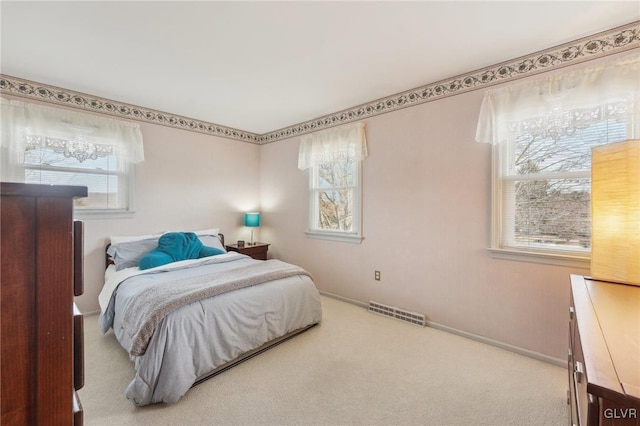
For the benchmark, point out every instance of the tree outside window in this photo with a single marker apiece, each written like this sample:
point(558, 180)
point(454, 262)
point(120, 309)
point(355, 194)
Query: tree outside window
point(549, 188)
point(333, 188)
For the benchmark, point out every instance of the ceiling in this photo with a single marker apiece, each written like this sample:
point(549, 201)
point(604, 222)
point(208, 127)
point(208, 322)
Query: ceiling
point(262, 66)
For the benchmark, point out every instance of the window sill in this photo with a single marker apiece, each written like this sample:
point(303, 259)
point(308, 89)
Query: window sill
point(102, 214)
point(572, 260)
point(334, 236)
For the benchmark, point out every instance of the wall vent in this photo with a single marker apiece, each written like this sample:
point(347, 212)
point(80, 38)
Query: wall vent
point(401, 314)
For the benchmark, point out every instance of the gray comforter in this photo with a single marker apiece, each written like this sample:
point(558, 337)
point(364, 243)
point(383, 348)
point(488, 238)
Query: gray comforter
point(194, 339)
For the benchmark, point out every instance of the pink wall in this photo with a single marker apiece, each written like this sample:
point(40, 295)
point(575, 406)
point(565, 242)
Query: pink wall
point(426, 216)
point(188, 181)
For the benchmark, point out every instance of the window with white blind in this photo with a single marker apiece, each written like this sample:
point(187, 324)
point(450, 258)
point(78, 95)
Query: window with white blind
point(546, 185)
point(45, 145)
point(107, 181)
point(333, 158)
point(543, 132)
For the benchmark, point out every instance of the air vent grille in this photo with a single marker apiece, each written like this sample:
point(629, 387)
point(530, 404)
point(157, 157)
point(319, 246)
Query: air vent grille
point(397, 313)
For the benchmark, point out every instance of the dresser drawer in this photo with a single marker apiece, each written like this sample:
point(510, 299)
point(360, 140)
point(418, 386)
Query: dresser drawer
point(586, 406)
point(78, 348)
point(78, 256)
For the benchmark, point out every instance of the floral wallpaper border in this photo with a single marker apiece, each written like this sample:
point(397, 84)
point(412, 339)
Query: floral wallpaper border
point(55, 95)
point(598, 45)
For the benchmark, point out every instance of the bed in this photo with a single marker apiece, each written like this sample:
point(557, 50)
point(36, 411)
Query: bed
point(186, 321)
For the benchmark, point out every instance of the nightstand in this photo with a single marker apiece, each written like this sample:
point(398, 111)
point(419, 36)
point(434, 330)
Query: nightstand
point(255, 250)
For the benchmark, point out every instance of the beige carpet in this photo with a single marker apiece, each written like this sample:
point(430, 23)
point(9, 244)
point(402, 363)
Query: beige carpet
point(357, 368)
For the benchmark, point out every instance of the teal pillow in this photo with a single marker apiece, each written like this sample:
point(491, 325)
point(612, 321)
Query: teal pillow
point(210, 251)
point(176, 246)
point(154, 258)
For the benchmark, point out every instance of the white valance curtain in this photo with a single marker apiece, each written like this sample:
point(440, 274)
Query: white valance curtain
point(558, 104)
point(348, 141)
point(75, 134)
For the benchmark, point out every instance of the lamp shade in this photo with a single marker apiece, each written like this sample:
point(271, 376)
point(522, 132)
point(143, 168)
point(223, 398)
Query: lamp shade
point(252, 219)
point(615, 212)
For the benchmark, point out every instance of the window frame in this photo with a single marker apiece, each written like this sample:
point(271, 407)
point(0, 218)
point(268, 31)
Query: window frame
point(501, 248)
point(353, 236)
point(128, 175)
point(498, 250)
point(126, 183)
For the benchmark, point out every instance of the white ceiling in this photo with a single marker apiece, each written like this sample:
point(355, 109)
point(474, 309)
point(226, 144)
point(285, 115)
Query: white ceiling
point(261, 66)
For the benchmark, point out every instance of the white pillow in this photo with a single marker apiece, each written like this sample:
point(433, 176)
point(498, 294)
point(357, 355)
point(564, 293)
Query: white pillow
point(128, 239)
point(127, 254)
point(212, 231)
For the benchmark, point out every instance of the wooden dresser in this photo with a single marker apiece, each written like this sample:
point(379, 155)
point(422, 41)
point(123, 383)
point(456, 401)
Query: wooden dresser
point(604, 353)
point(41, 346)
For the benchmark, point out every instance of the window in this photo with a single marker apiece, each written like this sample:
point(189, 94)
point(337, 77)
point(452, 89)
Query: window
point(543, 132)
point(545, 184)
point(335, 190)
point(46, 145)
point(333, 158)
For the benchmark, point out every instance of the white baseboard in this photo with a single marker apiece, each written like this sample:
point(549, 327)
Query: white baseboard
point(345, 299)
point(511, 348)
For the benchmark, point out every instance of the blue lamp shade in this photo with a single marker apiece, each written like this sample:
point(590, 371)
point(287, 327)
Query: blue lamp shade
point(252, 219)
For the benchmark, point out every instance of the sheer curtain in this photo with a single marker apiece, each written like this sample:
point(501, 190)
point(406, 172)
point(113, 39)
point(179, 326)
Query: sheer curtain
point(543, 131)
point(564, 101)
point(325, 146)
point(74, 134)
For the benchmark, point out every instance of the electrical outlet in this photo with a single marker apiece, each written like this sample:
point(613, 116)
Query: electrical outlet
point(377, 275)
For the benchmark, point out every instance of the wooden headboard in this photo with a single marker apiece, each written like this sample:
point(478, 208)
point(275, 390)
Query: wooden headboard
point(108, 260)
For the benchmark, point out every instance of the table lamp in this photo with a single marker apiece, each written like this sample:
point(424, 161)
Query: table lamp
point(252, 220)
point(615, 212)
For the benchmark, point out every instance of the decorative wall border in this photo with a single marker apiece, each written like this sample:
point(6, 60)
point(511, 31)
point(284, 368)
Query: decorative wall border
point(42, 92)
point(608, 42)
point(616, 40)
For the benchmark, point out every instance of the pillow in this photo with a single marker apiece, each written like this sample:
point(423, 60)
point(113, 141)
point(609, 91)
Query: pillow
point(209, 237)
point(128, 239)
point(212, 241)
point(154, 258)
point(126, 251)
point(128, 254)
point(210, 251)
point(176, 246)
point(210, 231)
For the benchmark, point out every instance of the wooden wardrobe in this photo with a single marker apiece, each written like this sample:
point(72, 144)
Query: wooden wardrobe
point(41, 346)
